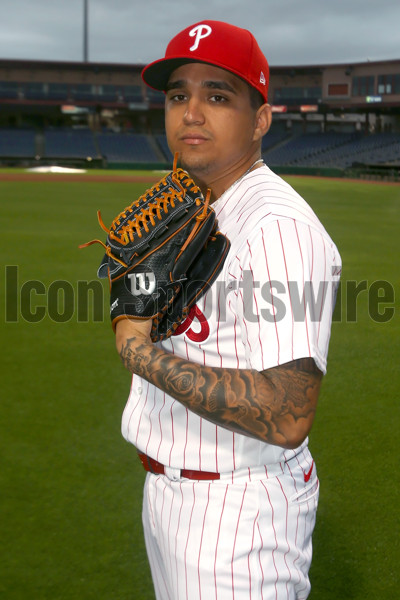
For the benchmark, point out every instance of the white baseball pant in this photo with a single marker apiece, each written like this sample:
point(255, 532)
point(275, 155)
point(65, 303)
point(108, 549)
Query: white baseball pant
point(247, 535)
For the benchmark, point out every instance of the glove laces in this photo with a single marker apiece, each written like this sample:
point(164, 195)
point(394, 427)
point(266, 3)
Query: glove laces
point(142, 219)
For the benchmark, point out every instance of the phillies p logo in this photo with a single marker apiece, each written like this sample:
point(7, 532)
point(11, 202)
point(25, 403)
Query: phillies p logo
point(199, 33)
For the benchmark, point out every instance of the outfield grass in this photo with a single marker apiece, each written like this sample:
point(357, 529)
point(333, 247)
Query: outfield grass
point(72, 487)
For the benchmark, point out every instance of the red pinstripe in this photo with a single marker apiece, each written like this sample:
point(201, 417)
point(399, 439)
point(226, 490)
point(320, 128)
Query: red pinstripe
point(141, 413)
point(272, 297)
point(324, 280)
point(245, 325)
point(168, 536)
point(216, 450)
point(150, 421)
point(151, 514)
point(237, 200)
point(251, 550)
point(201, 425)
point(234, 543)
point(287, 279)
point(256, 305)
point(217, 332)
point(312, 253)
point(160, 424)
point(216, 545)
point(187, 541)
point(176, 536)
point(186, 438)
point(235, 337)
point(286, 535)
point(251, 213)
point(165, 541)
point(304, 299)
point(133, 409)
point(172, 432)
point(276, 539)
point(244, 320)
point(201, 539)
point(298, 514)
point(260, 562)
point(233, 451)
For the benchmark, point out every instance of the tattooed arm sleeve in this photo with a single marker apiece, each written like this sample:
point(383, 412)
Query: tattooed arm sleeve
point(276, 406)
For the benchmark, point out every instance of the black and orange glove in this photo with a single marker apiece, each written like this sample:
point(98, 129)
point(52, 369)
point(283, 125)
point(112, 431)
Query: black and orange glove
point(163, 252)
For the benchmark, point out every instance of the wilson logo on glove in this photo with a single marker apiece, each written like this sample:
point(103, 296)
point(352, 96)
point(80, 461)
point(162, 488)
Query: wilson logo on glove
point(142, 283)
point(162, 253)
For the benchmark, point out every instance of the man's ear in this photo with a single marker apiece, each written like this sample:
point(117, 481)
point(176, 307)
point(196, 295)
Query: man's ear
point(263, 121)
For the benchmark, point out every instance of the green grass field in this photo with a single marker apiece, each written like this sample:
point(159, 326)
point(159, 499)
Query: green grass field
point(71, 487)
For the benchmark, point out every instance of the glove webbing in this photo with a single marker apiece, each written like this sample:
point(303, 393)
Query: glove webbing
point(142, 219)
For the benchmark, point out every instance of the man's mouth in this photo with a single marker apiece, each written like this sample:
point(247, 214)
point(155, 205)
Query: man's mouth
point(193, 139)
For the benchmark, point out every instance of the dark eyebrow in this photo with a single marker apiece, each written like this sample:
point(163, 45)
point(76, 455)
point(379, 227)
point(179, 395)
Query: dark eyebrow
point(219, 85)
point(173, 85)
point(213, 85)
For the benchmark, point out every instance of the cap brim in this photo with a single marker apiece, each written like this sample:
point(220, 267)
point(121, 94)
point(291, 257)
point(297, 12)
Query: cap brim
point(157, 74)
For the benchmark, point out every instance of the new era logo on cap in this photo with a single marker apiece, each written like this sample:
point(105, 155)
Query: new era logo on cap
point(215, 43)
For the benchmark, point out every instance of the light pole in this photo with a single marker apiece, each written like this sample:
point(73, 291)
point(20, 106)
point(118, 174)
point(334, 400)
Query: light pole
point(85, 31)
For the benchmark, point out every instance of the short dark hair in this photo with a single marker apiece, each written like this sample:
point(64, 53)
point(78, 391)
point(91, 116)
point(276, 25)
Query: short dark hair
point(256, 98)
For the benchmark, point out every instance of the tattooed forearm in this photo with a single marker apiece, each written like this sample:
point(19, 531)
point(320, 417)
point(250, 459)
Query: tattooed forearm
point(276, 406)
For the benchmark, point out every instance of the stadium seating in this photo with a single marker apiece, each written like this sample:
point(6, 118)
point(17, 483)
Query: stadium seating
point(365, 149)
point(126, 147)
point(306, 149)
point(18, 143)
point(279, 147)
point(274, 137)
point(132, 93)
point(70, 143)
point(9, 90)
point(334, 149)
point(162, 144)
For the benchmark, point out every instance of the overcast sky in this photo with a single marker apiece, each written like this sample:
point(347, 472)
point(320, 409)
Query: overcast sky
point(289, 32)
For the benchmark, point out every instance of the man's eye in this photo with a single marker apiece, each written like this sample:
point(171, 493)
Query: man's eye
point(218, 99)
point(178, 97)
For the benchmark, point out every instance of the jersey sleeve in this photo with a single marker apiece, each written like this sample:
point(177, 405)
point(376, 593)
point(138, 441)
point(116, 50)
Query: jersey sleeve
point(288, 275)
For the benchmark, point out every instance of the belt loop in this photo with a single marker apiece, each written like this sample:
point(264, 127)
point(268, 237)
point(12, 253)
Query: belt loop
point(149, 464)
point(146, 462)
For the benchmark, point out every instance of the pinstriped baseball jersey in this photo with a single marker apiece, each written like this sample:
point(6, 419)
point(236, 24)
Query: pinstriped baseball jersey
point(271, 304)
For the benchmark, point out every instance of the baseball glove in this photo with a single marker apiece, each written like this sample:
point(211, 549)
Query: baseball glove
point(162, 253)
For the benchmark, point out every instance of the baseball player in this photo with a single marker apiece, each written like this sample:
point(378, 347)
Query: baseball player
point(220, 412)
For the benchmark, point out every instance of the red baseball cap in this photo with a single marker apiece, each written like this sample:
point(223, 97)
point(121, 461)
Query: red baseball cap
point(216, 43)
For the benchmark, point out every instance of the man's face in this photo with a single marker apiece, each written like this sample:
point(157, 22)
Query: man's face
point(209, 120)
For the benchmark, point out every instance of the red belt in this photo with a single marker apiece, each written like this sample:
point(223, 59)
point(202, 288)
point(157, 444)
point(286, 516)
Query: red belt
point(153, 466)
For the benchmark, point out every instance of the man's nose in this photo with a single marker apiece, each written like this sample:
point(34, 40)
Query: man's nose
point(194, 113)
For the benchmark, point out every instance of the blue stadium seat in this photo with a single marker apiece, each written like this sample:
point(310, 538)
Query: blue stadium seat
point(126, 147)
point(17, 143)
point(70, 143)
point(162, 144)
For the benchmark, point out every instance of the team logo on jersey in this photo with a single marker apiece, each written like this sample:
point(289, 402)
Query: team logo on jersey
point(195, 316)
point(199, 33)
